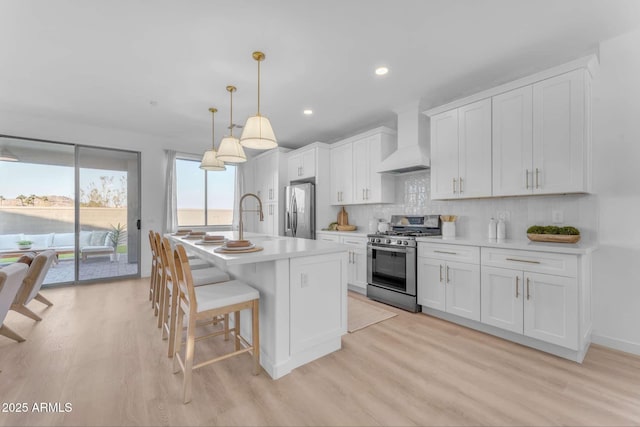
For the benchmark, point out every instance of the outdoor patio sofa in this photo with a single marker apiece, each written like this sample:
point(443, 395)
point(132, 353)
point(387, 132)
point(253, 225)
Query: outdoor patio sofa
point(95, 242)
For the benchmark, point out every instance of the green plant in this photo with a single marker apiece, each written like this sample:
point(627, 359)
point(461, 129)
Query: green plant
point(553, 229)
point(24, 242)
point(117, 235)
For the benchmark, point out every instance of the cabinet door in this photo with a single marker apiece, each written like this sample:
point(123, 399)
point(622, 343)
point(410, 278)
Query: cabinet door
point(308, 164)
point(444, 155)
point(551, 309)
point(474, 149)
point(328, 238)
point(294, 166)
point(512, 142)
point(341, 174)
point(558, 134)
point(271, 176)
point(463, 289)
point(357, 261)
point(431, 283)
point(360, 170)
point(501, 298)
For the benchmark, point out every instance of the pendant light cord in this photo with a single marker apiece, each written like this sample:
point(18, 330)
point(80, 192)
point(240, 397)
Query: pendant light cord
point(259, 87)
point(213, 131)
point(231, 113)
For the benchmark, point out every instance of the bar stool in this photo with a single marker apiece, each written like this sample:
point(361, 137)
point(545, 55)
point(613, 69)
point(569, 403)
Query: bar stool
point(168, 294)
point(154, 267)
point(205, 302)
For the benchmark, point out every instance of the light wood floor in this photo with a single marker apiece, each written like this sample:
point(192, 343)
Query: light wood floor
point(98, 348)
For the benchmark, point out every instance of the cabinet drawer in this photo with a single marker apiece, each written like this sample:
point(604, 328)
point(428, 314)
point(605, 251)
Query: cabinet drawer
point(354, 241)
point(449, 252)
point(538, 262)
point(328, 237)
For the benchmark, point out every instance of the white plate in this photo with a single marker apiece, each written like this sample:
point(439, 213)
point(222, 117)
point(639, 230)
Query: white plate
point(210, 242)
point(244, 248)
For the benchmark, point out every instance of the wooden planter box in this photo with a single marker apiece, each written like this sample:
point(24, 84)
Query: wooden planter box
point(555, 238)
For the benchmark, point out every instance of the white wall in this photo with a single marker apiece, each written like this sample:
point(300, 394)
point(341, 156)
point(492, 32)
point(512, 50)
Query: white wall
point(152, 160)
point(616, 153)
point(609, 216)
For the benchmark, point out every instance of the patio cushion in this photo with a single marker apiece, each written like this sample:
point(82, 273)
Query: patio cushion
point(93, 249)
point(63, 240)
point(40, 240)
point(9, 241)
point(98, 238)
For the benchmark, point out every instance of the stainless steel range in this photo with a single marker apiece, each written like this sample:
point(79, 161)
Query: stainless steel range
point(392, 260)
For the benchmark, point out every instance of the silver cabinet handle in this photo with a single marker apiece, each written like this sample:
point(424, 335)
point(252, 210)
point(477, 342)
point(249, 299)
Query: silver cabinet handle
point(517, 285)
point(445, 252)
point(454, 185)
point(299, 171)
point(460, 185)
point(526, 175)
point(528, 295)
point(537, 178)
point(367, 194)
point(523, 260)
point(440, 272)
point(363, 194)
point(448, 274)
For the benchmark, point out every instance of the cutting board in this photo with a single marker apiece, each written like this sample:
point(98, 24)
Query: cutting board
point(245, 251)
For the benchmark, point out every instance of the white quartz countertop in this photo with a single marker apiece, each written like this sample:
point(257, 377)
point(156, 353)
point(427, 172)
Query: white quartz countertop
point(356, 233)
point(274, 248)
point(580, 248)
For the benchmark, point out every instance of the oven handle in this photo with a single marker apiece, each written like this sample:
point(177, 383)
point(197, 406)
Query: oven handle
point(386, 249)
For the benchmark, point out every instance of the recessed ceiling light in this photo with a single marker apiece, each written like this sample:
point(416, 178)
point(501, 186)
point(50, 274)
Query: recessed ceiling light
point(307, 112)
point(153, 103)
point(381, 71)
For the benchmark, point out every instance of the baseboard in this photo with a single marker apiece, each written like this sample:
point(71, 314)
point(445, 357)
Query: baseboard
point(616, 344)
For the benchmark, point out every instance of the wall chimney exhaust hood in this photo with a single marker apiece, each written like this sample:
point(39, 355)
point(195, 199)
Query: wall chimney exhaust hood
point(413, 143)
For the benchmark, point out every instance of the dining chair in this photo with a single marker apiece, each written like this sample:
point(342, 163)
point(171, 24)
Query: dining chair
point(154, 266)
point(31, 284)
point(205, 302)
point(169, 292)
point(10, 280)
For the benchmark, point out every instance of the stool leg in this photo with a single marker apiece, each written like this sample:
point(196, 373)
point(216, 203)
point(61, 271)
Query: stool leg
point(177, 344)
point(255, 336)
point(162, 289)
point(188, 360)
point(236, 329)
point(226, 326)
point(173, 322)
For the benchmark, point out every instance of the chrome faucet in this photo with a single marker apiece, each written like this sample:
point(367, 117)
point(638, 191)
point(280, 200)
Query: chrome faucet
point(260, 214)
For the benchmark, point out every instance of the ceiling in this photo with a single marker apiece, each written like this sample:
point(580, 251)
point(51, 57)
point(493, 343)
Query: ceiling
point(156, 66)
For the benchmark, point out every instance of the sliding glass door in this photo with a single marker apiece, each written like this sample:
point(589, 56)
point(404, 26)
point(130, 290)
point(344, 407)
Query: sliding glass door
point(108, 213)
point(82, 202)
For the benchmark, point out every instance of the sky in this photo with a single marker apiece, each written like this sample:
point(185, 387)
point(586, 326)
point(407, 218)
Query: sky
point(46, 180)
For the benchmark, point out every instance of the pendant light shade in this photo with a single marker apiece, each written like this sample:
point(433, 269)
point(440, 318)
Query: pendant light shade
point(210, 160)
point(258, 133)
point(230, 149)
point(7, 156)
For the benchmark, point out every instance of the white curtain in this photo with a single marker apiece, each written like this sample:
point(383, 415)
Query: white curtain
point(238, 192)
point(170, 201)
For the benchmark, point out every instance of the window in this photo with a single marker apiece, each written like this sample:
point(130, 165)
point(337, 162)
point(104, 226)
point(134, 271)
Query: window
point(204, 198)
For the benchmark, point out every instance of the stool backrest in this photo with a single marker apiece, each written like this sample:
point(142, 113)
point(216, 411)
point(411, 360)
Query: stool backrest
point(187, 293)
point(34, 278)
point(168, 264)
point(152, 243)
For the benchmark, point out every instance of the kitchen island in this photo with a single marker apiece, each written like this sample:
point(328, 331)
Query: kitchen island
point(303, 295)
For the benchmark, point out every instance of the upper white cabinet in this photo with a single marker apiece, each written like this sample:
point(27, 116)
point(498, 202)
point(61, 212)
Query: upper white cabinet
point(302, 165)
point(540, 135)
point(461, 152)
point(354, 163)
point(342, 175)
point(531, 136)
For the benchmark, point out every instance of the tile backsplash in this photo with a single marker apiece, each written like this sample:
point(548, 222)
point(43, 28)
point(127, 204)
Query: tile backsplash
point(413, 197)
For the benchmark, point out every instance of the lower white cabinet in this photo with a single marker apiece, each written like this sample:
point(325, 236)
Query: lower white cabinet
point(450, 286)
point(357, 268)
point(541, 306)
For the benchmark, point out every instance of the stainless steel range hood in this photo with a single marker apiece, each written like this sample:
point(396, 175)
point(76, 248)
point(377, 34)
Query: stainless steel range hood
point(413, 143)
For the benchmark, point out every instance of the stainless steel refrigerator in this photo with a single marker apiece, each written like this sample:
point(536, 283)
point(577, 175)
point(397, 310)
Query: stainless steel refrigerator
point(300, 212)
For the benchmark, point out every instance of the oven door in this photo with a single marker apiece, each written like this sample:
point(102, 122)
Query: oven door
point(392, 268)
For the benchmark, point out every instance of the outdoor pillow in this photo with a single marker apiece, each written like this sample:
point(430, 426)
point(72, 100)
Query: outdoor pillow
point(27, 258)
point(98, 238)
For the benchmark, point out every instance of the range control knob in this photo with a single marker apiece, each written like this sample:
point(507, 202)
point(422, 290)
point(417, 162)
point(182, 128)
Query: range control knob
point(399, 242)
point(387, 241)
point(405, 243)
point(377, 240)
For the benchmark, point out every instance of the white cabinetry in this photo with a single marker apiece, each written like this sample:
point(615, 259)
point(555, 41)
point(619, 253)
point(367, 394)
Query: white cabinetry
point(449, 279)
point(519, 295)
point(541, 138)
point(461, 152)
point(342, 175)
point(318, 299)
point(265, 176)
point(302, 165)
point(354, 163)
point(357, 269)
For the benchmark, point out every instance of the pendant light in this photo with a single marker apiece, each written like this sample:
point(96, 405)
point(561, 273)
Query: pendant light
point(7, 156)
point(258, 133)
point(210, 160)
point(230, 149)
